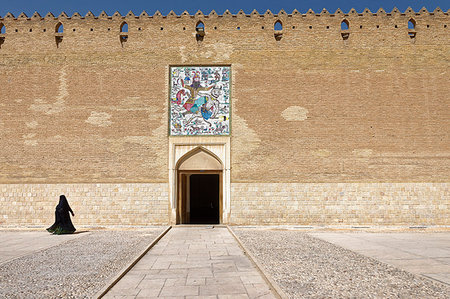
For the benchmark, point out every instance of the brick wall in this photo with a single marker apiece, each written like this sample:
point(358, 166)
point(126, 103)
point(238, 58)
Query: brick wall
point(93, 204)
point(337, 204)
point(310, 108)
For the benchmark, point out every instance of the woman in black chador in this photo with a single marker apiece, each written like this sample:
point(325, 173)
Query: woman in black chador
point(63, 224)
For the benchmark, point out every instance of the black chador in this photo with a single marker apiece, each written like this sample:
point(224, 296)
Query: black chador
point(63, 224)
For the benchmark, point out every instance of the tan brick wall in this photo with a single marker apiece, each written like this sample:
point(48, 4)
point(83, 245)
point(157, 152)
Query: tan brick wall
point(93, 204)
point(371, 108)
point(370, 204)
point(311, 108)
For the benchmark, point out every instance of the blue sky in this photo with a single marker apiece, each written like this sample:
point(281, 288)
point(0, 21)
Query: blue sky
point(110, 6)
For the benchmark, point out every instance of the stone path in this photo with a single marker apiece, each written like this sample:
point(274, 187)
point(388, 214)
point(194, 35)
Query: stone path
point(15, 244)
point(193, 262)
point(426, 254)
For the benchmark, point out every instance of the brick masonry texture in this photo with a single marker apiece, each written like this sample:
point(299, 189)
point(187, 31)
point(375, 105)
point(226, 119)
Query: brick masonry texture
point(381, 204)
point(311, 108)
point(93, 204)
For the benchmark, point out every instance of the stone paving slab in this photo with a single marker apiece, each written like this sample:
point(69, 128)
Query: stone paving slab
point(426, 254)
point(193, 262)
point(15, 244)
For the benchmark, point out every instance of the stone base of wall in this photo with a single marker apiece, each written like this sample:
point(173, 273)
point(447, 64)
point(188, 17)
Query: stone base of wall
point(93, 204)
point(141, 204)
point(381, 204)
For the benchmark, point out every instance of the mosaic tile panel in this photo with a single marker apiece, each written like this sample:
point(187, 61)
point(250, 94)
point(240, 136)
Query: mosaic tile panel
point(199, 100)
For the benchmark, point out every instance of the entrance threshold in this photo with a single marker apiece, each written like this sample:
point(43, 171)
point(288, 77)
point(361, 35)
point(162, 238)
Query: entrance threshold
point(202, 225)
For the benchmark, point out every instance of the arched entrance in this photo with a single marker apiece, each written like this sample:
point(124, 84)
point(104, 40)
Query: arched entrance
point(199, 188)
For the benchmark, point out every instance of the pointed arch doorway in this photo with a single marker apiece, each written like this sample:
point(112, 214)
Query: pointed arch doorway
point(199, 199)
point(199, 166)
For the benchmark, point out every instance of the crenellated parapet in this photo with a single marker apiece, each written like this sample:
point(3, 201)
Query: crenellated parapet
point(132, 31)
point(144, 15)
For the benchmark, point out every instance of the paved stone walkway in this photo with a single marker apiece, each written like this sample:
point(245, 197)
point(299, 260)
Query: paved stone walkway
point(193, 262)
point(426, 254)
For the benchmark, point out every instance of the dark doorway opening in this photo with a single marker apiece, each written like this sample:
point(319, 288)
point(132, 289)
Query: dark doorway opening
point(204, 198)
point(199, 197)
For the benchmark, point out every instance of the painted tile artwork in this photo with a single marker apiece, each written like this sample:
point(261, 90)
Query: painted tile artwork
point(200, 100)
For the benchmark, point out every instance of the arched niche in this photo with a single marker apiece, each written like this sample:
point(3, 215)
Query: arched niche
point(199, 159)
point(193, 156)
point(124, 27)
point(199, 188)
point(59, 28)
